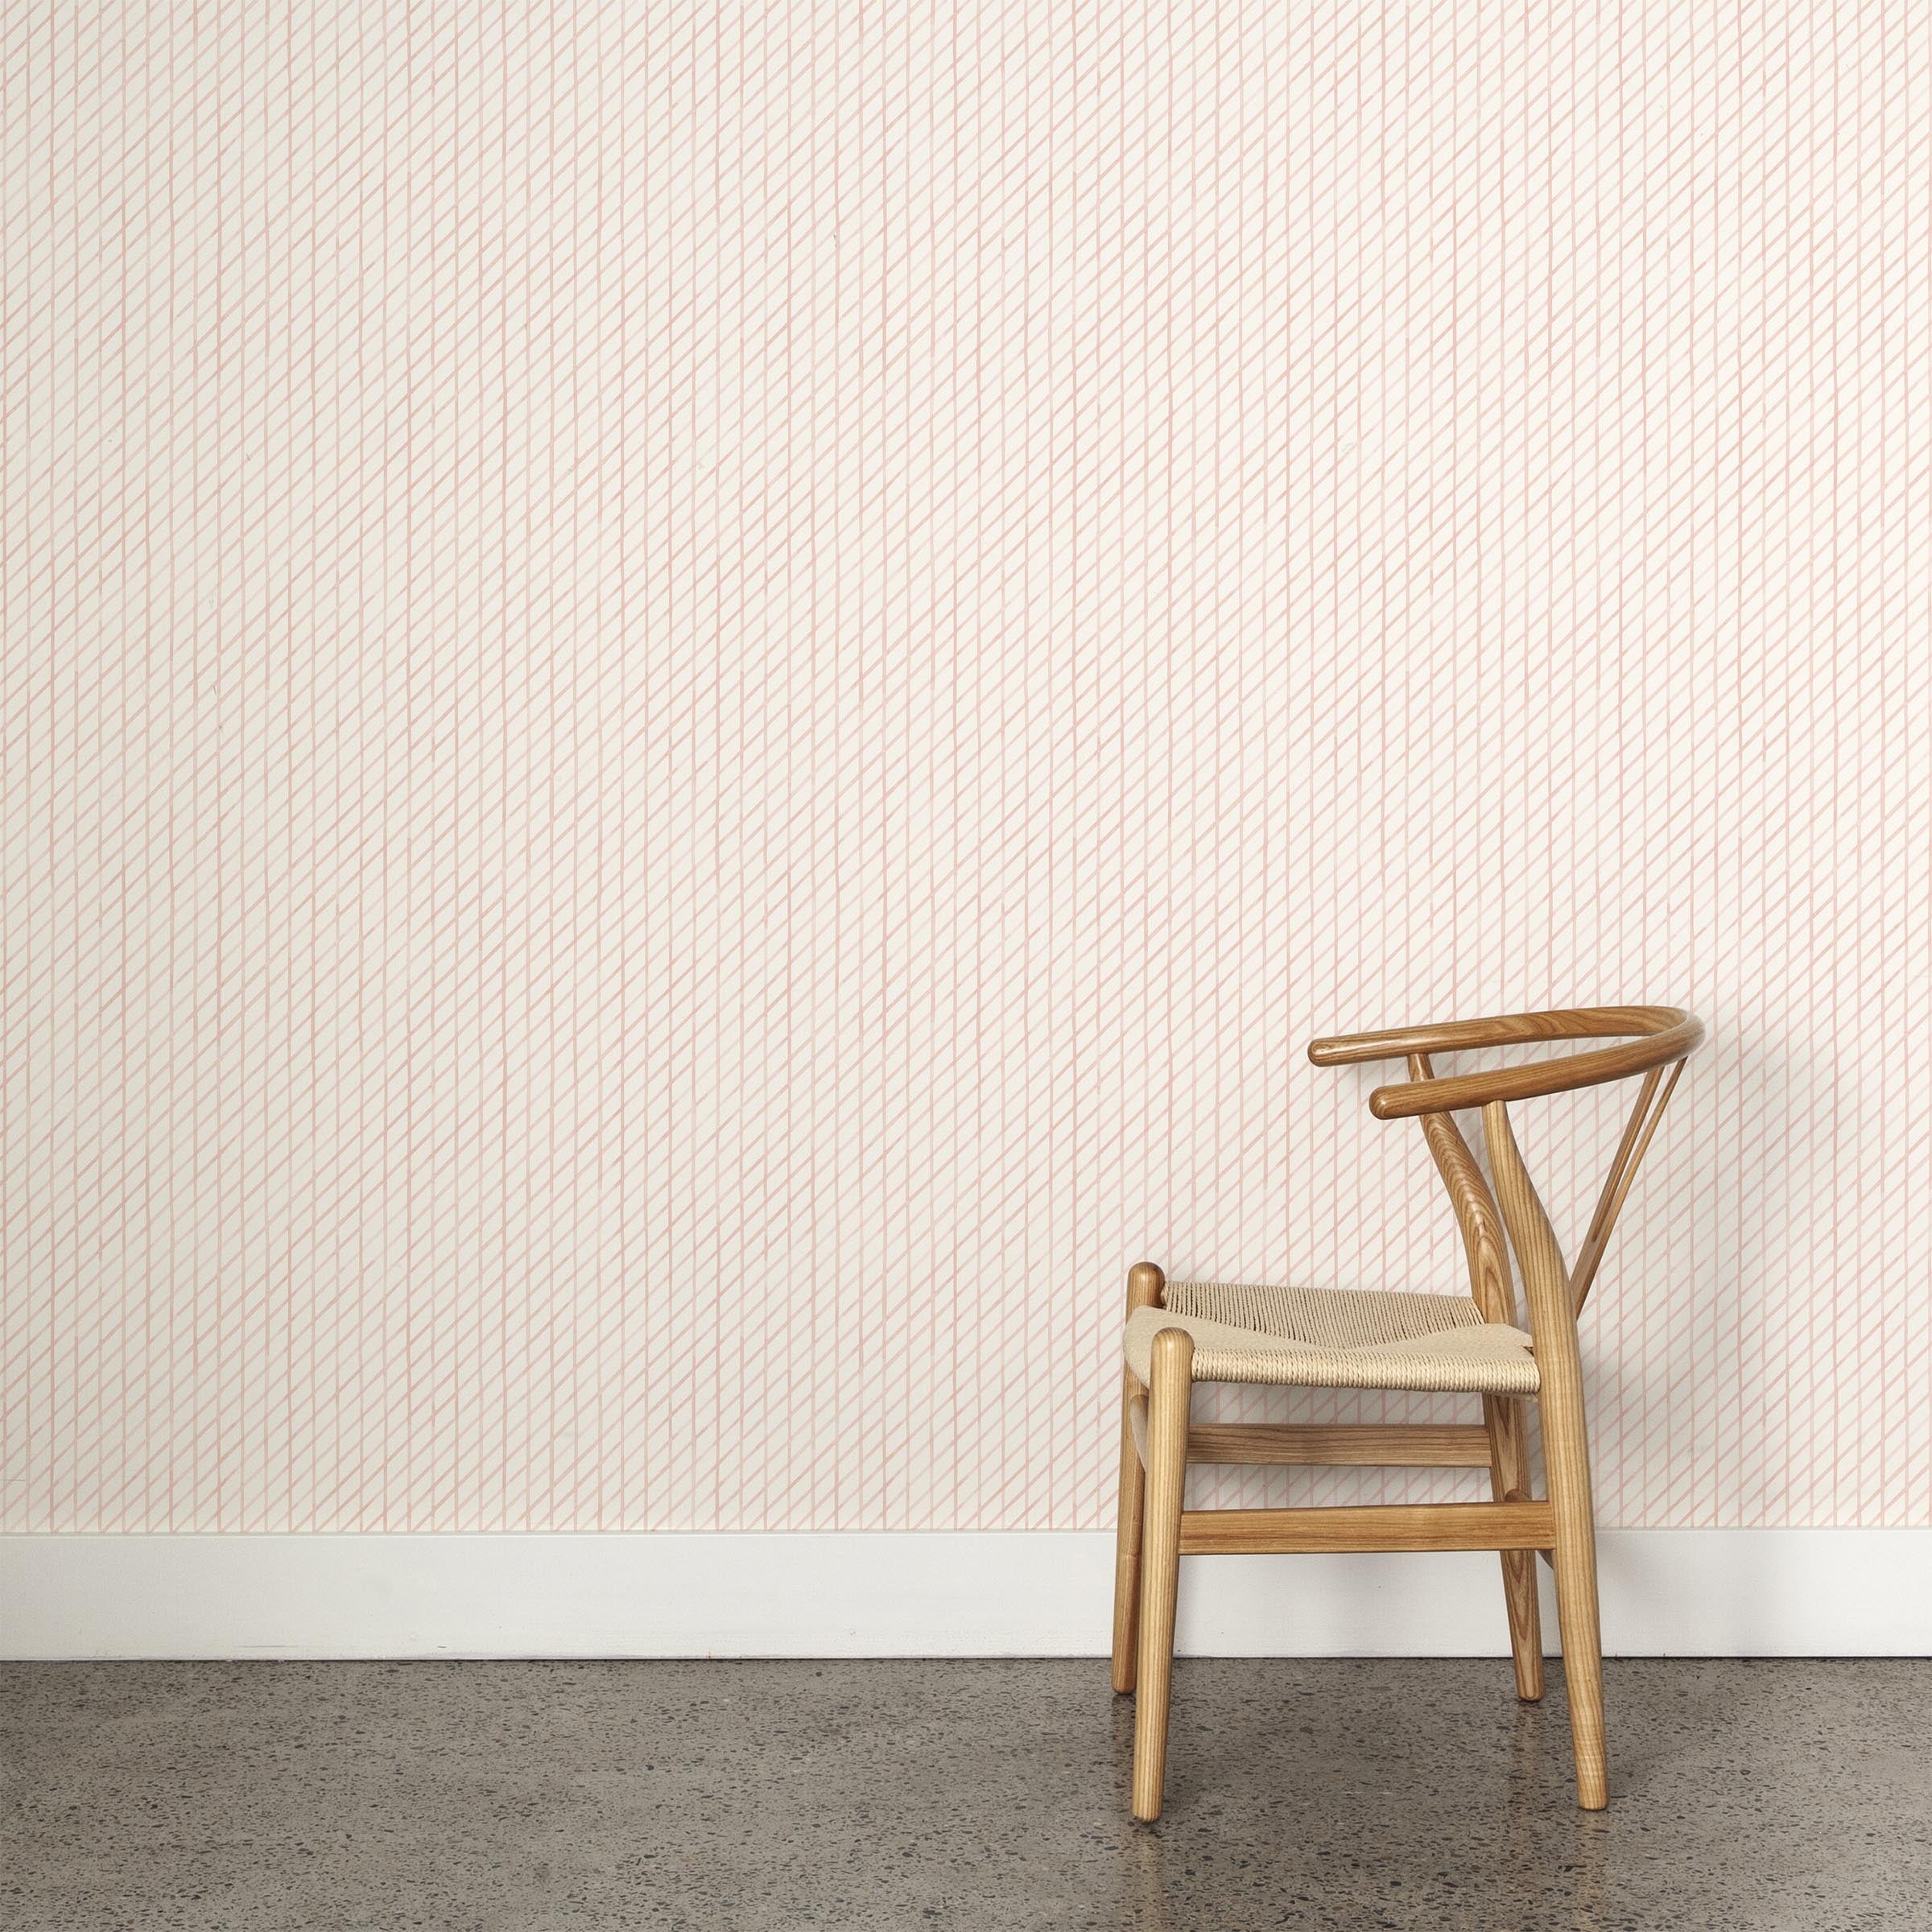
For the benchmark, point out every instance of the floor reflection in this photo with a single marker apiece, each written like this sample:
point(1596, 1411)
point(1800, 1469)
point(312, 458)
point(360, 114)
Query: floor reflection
point(1387, 1796)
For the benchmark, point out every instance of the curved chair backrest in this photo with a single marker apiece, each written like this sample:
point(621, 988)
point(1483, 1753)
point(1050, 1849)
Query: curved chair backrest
point(1654, 1038)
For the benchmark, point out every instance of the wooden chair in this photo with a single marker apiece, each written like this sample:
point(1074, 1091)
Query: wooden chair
point(1180, 1333)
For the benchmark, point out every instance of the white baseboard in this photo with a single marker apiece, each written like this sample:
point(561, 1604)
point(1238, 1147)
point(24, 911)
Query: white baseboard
point(1666, 1592)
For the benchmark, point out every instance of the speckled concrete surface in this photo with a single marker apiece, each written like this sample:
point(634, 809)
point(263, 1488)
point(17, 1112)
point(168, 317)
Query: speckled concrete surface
point(735, 1796)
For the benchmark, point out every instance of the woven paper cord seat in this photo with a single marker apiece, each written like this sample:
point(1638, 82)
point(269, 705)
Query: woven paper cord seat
point(1323, 1338)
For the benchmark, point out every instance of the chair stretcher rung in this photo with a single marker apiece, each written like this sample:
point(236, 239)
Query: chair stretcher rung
point(1407, 1446)
point(1377, 1526)
point(1395, 1446)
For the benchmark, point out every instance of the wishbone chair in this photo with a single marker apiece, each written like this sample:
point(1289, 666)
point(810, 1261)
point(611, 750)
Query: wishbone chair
point(1180, 1333)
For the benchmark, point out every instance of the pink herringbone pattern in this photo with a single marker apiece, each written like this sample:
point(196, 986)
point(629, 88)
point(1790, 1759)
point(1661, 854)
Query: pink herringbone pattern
point(700, 698)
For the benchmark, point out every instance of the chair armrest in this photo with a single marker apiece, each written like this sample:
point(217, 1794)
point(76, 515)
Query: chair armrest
point(1665, 1033)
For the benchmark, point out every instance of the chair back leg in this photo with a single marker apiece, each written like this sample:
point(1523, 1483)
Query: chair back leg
point(1145, 1282)
point(1566, 1448)
point(1566, 1462)
point(1127, 1549)
point(1167, 1405)
point(1509, 1483)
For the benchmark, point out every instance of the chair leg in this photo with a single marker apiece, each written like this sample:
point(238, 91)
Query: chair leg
point(1127, 1545)
point(1168, 1402)
point(1526, 1618)
point(1509, 1482)
point(1566, 1457)
point(1145, 1282)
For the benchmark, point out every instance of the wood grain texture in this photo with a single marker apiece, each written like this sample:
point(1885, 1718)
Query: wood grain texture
point(1486, 1245)
point(1483, 1241)
point(1505, 1423)
point(1172, 1368)
point(1407, 1446)
point(1563, 1075)
point(1662, 1034)
point(1371, 1526)
point(1499, 1029)
point(1145, 1283)
point(1566, 1449)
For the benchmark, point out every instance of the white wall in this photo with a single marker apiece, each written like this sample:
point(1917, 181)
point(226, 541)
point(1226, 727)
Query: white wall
point(701, 702)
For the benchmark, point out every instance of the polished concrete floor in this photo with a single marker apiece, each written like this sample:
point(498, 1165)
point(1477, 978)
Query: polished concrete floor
point(735, 1796)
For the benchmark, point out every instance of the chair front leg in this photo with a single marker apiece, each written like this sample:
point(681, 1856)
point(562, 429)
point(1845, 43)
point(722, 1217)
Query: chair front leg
point(1168, 1402)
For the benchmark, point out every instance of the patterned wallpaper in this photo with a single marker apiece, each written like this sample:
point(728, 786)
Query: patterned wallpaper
point(700, 698)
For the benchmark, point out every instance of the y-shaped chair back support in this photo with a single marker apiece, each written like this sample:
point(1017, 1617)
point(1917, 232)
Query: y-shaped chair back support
point(1554, 1293)
point(1667, 1037)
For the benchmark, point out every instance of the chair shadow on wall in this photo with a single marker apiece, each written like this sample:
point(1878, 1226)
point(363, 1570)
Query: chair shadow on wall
point(1742, 1607)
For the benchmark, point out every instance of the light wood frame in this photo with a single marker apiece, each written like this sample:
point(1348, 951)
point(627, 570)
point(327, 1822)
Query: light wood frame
point(1158, 1441)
